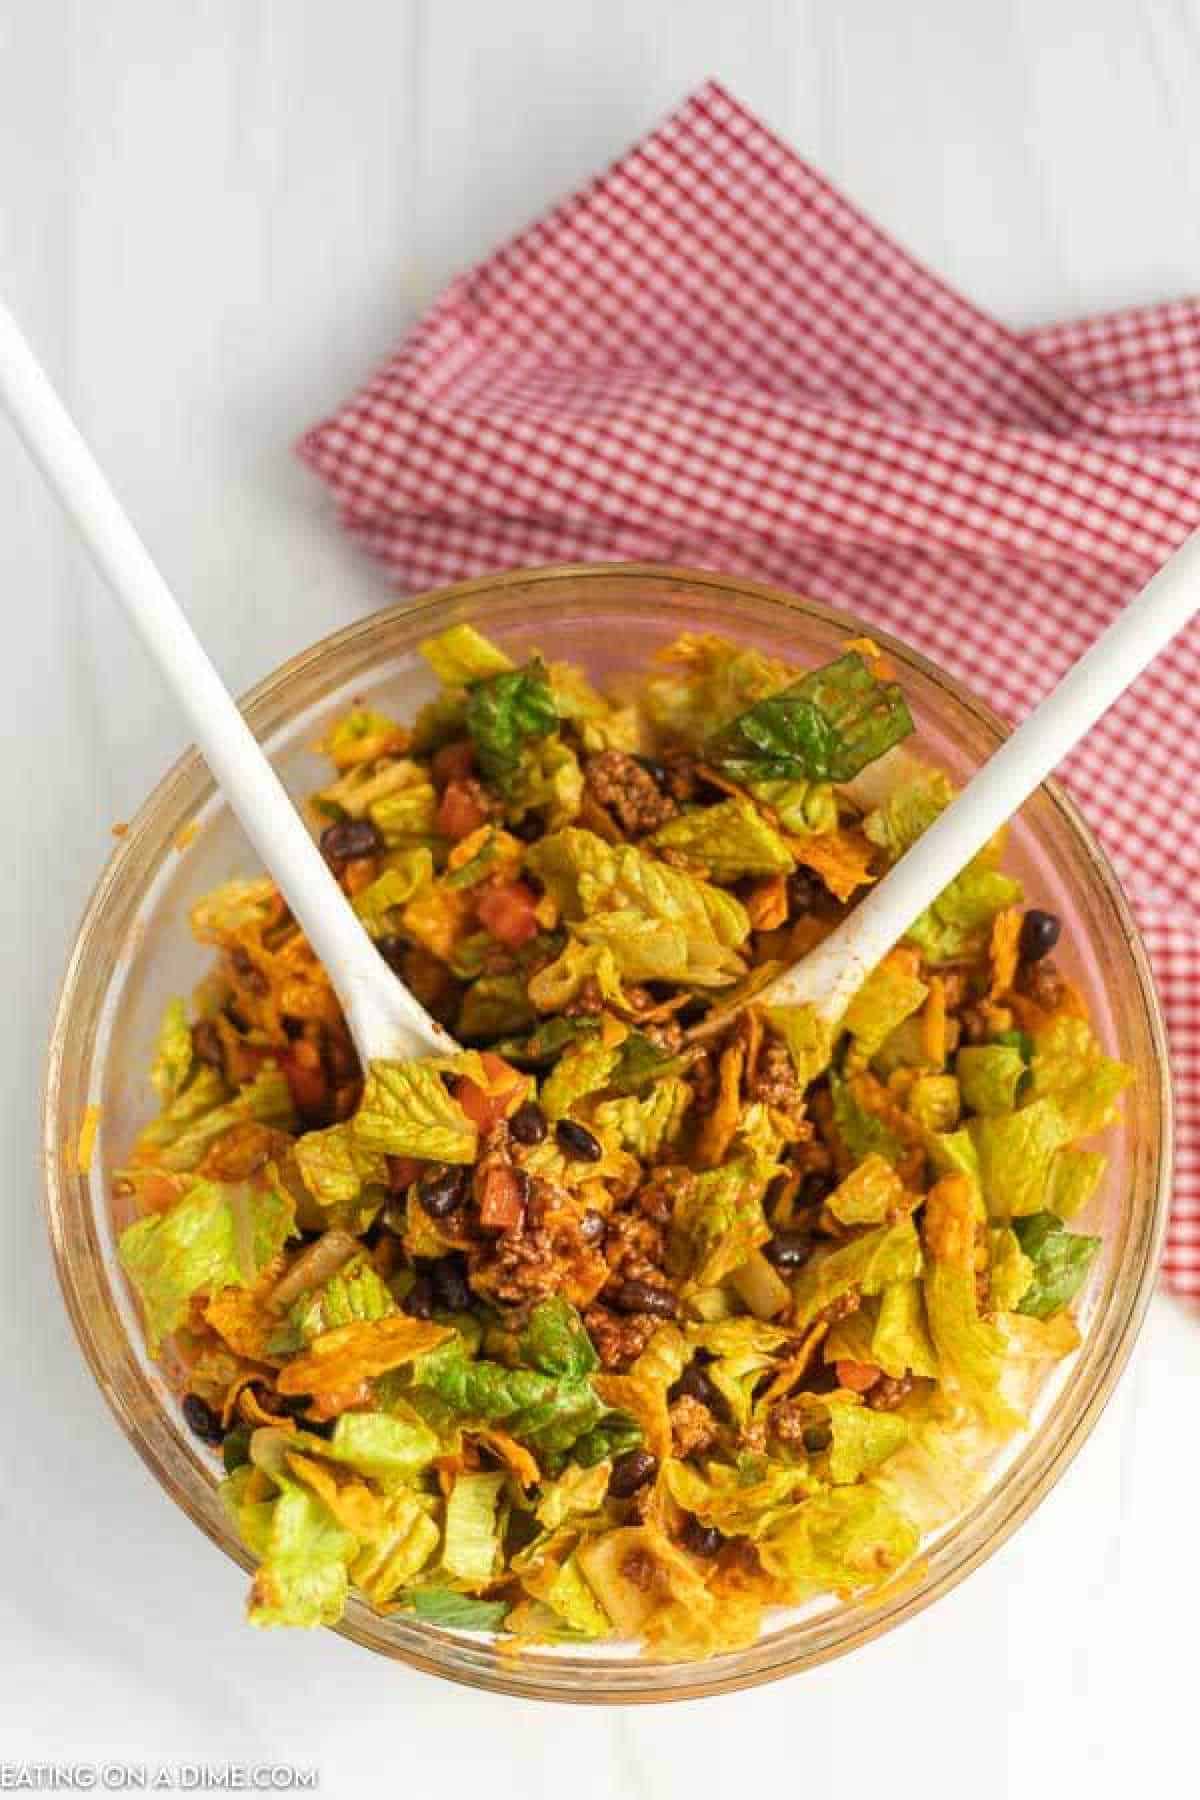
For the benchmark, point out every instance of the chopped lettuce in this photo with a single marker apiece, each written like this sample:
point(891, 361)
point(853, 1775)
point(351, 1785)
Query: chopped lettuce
point(838, 1541)
point(862, 1438)
point(302, 1578)
point(1015, 1151)
point(172, 1054)
point(601, 724)
point(970, 1351)
point(808, 1038)
point(462, 655)
point(359, 791)
point(1068, 1064)
point(471, 1551)
point(1010, 1271)
point(583, 1068)
point(406, 1111)
point(869, 1193)
point(706, 682)
point(805, 808)
point(864, 1265)
point(648, 1123)
point(356, 1291)
point(555, 1341)
point(741, 1350)
point(900, 1342)
point(660, 923)
point(398, 1551)
point(727, 841)
point(493, 1006)
point(181, 1135)
point(335, 1167)
point(888, 996)
point(361, 735)
point(959, 920)
point(824, 727)
point(407, 819)
point(1061, 1260)
point(236, 907)
point(908, 810)
point(406, 875)
point(454, 1611)
point(219, 1235)
point(719, 1220)
point(505, 713)
point(549, 781)
point(862, 1131)
point(387, 1448)
point(989, 1076)
point(1073, 1179)
point(935, 1102)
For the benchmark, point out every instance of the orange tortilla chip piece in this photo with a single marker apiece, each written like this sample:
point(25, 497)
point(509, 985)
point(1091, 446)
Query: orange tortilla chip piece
point(1003, 952)
point(644, 1402)
point(841, 858)
point(348, 1498)
point(881, 665)
point(933, 1022)
point(767, 903)
point(514, 1456)
point(343, 1359)
point(438, 919)
point(717, 1132)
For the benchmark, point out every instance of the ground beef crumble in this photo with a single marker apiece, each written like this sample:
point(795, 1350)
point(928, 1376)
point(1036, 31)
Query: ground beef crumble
point(619, 1338)
point(618, 782)
point(693, 1428)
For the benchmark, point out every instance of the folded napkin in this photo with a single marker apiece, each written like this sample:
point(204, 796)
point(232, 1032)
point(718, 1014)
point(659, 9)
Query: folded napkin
point(708, 356)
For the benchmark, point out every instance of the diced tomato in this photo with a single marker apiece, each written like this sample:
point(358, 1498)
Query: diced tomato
point(402, 1172)
point(857, 1376)
point(508, 909)
point(502, 1202)
point(461, 810)
point(305, 1077)
point(485, 1107)
point(453, 762)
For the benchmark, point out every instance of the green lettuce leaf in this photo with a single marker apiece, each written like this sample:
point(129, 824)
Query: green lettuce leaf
point(401, 1549)
point(219, 1235)
point(357, 792)
point(302, 1579)
point(659, 923)
point(970, 1351)
point(958, 923)
point(862, 1438)
point(184, 1130)
point(647, 1124)
point(172, 1054)
point(728, 840)
point(1061, 1260)
point(571, 1600)
point(886, 998)
point(378, 904)
point(719, 1220)
point(549, 781)
point(583, 1068)
point(554, 1340)
point(742, 1501)
point(838, 1541)
point(406, 1111)
point(706, 682)
point(1074, 1177)
point(471, 1549)
point(462, 655)
point(989, 1076)
point(935, 1102)
point(868, 1194)
point(549, 1413)
point(354, 1292)
point(600, 724)
point(407, 820)
point(865, 1265)
point(742, 1349)
point(228, 910)
point(335, 1167)
point(1010, 1271)
point(1015, 1151)
point(1068, 1064)
point(805, 808)
point(900, 1340)
point(504, 714)
point(824, 727)
point(808, 1038)
point(863, 1133)
point(382, 1446)
point(908, 810)
point(454, 1611)
point(360, 727)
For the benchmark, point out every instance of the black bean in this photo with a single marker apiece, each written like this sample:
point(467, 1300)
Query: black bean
point(701, 1540)
point(1040, 932)
point(789, 1249)
point(200, 1418)
point(418, 1302)
point(641, 1297)
point(451, 1291)
point(442, 1190)
point(630, 1472)
point(528, 1123)
point(658, 772)
point(350, 838)
point(592, 1226)
point(577, 1142)
point(694, 1384)
point(816, 1438)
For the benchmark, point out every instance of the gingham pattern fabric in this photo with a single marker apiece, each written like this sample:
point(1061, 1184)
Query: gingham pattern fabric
point(709, 357)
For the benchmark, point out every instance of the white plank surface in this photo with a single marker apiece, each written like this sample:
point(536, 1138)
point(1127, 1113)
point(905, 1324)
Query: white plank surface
point(214, 218)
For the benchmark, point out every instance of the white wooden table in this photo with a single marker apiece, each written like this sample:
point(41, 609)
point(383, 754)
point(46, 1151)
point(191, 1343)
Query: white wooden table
point(214, 219)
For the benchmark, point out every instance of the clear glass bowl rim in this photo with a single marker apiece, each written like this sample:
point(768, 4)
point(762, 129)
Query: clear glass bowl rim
point(484, 1665)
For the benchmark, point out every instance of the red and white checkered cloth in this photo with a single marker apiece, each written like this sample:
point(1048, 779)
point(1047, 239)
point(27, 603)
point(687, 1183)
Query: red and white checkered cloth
point(709, 357)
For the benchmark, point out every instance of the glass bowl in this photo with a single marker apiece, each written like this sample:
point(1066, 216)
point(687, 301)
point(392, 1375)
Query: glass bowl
point(134, 951)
